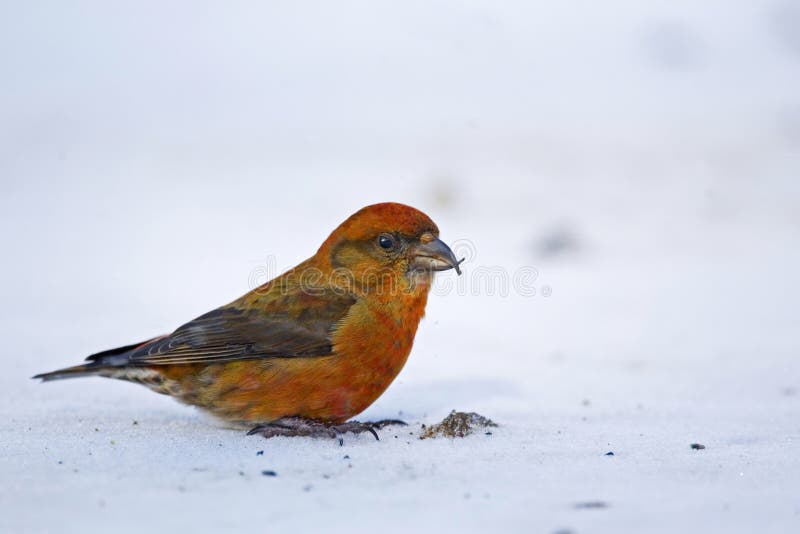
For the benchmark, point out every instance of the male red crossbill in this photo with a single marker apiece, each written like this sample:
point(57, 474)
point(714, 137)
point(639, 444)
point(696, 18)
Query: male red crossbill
point(308, 350)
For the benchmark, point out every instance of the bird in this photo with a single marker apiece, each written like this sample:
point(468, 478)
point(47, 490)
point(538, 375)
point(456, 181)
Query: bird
point(308, 350)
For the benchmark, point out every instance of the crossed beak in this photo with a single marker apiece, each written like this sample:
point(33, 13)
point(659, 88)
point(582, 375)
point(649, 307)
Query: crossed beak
point(432, 254)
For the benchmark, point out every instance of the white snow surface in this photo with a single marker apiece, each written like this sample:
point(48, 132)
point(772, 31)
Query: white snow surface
point(643, 158)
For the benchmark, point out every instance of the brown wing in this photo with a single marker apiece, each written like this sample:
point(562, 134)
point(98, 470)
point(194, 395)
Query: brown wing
point(285, 328)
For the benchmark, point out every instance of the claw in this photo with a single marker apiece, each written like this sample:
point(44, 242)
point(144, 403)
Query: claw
point(296, 426)
point(389, 422)
point(356, 428)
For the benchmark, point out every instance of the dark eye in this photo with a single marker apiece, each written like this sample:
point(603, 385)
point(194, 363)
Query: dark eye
point(386, 241)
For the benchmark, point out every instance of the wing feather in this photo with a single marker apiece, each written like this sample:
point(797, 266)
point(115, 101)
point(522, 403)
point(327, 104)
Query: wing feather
point(283, 329)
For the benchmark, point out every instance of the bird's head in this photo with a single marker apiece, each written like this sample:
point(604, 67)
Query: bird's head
point(388, 243)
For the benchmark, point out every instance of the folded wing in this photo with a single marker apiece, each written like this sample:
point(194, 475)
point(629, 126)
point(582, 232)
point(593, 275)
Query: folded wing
point(299, 328)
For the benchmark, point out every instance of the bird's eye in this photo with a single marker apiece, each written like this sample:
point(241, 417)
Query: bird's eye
point(386, 241)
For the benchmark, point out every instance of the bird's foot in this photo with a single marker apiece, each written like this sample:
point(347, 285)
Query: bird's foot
point(297, 426)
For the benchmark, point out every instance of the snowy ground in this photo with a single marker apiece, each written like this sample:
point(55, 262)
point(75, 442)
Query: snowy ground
point(644, 161)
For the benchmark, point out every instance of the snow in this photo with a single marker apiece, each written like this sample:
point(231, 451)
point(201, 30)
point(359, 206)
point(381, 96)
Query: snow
point(642, 159)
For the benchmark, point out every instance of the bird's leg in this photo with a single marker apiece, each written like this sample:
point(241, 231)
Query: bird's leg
point(294, 426)
point(297, 426)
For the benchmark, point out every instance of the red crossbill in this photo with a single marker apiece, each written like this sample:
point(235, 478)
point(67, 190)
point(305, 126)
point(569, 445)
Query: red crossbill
point(308, 350)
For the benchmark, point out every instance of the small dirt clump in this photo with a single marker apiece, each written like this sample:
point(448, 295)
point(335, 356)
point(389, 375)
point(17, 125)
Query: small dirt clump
point(457, 425)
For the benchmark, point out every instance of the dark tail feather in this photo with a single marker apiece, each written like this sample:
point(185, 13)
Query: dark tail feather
point(88, 369)
point(98, 363)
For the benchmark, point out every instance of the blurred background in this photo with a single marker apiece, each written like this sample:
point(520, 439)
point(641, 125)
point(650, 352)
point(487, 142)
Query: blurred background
point(643, 158)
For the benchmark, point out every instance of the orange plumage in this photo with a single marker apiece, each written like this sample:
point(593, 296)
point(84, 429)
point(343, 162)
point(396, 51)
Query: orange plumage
point(319, 343)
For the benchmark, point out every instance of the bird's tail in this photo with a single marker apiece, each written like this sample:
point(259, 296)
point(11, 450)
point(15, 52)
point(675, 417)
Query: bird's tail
point(104, 363)
point(87, 369)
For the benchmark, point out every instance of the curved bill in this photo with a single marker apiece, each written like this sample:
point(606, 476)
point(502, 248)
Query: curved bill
point(434, 255)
